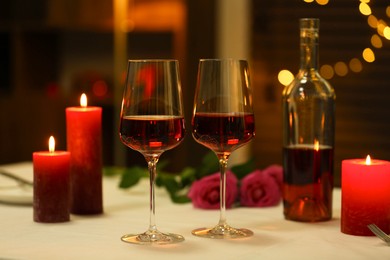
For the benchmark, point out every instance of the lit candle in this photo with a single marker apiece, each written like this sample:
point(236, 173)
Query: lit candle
point(84, 141)
point(51, 185)
point(365, 186)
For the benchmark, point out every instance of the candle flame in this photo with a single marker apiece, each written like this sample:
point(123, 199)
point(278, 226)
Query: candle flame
point(368, 160)
point(52, 144)
point(83, 100)
point(316, 145)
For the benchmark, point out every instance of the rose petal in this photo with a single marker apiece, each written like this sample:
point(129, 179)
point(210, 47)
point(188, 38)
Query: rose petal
point(259, 189)
point(205, 193)
point(276, 171)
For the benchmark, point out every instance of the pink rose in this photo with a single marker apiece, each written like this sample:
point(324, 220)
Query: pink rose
point(276, 171)
point(204, 193)
point(262, 188)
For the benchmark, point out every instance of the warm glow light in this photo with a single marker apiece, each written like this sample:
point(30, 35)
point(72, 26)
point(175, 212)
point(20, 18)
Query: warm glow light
point(83, 100)
point(388, 11)
point(341, 68)
point(386, 32)
point(100, 88)
point(316, 145)
point(355, 65)
point(285, 77)
point(233, 141)
point(52, 144)
point(368, 55)
point(322, 2)
point(155, 144)
point(368, 160)
point(372, 21)
point(327, 71)
point(365, 9)
point(376, 41)
point(308, 1)
point(381, 27)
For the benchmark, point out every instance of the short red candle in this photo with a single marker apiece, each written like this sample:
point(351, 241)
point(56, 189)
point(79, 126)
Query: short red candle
point(51, 185)
point(365, 196)
point(84, 141)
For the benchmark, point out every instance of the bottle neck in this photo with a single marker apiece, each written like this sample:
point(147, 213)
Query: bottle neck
point(309, 49)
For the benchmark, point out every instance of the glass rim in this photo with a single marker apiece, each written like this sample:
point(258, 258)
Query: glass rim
point(152, 60)
point(224, 59)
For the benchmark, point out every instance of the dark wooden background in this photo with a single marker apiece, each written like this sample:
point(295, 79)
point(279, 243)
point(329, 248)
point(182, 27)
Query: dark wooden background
point(33, 53)
point(362, 110)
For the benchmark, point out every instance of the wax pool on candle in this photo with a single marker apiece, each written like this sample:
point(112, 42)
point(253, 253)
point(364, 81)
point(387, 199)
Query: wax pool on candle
point(51, 185)
point(84, 141)
point(365, 196)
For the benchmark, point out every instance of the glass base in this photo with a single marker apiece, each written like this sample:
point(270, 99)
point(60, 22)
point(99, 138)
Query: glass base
point(222, 232)
point(152, 237)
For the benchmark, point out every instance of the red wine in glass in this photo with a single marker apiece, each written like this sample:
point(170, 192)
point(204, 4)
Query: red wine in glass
point(151, 122)
point(223, 121)
point(152, 133)
point(308, 182)
point(223, 132)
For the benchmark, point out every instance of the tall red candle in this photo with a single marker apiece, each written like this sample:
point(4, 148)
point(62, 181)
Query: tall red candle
point(365, 196)
point(84, 141)
point(51, 185)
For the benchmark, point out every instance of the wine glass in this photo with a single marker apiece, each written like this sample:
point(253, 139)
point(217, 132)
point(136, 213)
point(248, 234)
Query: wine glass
point(223, 121)
point(151, 122)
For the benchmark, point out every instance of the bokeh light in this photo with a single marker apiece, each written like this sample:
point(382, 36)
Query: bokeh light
point(327, 71)
point(341, 68)
point(386, 32)
point(355, 65)
point(381, 27)
point(372, 21)
point(100, 88)
point(285, 77)
point(376, 41)
point(368, 55)
point(322, 2)
point(364, 8)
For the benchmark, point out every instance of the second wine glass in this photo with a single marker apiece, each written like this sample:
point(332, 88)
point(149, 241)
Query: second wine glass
point(152, 122)
point(223, 121)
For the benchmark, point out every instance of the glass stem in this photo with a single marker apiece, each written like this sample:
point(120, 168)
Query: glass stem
point(223, 161)
point(152, 163)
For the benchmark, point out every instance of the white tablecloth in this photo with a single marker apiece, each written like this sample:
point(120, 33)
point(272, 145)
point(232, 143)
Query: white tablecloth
point(126, 211)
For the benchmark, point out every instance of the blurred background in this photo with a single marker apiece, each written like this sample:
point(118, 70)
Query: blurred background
point(51, 51)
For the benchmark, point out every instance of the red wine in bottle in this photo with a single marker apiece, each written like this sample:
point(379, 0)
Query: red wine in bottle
point(308, 182)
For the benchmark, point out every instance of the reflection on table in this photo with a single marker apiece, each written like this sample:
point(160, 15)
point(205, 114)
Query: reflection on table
point(126, 211)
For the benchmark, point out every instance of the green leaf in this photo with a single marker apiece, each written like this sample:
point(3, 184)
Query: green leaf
point(173, 185)
point(161, 165)
point(131, 176)
point(112, 171)
point(188, 176)
point(241, 170)
point(168, 181)
point(180, 199)
point(209, 165)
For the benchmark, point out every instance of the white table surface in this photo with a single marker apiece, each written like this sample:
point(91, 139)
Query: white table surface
point(126, 211)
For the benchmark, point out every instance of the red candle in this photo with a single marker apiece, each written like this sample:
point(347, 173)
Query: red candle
point(51, 185)
point(84, 141)
point(365, 196)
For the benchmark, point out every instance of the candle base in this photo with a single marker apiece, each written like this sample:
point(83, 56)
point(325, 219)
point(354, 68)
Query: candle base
point(86, 190)
point(51, 219)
